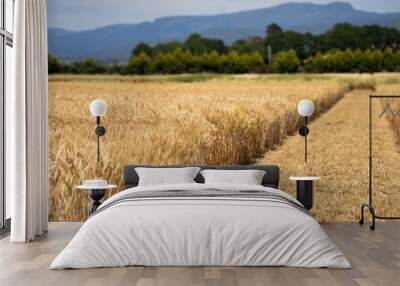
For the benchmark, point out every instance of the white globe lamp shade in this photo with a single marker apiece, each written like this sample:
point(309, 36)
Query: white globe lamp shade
point(306, 108)
point(98, 107)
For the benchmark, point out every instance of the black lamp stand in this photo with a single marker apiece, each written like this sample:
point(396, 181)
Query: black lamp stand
point(303, 131)
point(100, 131)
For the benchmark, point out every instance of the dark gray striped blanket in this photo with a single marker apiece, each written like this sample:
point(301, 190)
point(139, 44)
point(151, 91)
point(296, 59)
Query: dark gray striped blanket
point(206, 194)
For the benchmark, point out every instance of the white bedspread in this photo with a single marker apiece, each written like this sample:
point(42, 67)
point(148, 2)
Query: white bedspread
point(200, 231)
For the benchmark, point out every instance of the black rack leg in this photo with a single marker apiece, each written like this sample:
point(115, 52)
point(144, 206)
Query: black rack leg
point(372, 211)
point(361, 221)
point(373, 215)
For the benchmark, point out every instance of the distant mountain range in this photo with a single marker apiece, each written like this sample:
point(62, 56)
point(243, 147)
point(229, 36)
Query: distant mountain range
point(115, 42)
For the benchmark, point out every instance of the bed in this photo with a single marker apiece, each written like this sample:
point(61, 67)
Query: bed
point(198, 224)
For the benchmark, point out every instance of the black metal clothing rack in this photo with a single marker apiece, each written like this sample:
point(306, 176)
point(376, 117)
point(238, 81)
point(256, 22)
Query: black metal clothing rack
point(369, 205)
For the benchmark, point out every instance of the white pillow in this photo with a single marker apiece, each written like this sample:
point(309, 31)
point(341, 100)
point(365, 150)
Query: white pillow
point(248, 177)
point(166, 176)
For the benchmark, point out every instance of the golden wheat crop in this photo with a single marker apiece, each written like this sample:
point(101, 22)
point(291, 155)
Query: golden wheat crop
point(171, 120)
point(338, 153)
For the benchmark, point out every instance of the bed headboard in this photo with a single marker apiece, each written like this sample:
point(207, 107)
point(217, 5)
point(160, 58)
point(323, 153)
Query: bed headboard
point(271, 177)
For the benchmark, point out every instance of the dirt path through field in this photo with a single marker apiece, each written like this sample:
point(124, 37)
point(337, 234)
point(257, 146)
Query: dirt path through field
point(338, 153)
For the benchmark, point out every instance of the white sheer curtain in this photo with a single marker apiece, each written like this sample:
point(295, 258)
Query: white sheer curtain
point(27, 124)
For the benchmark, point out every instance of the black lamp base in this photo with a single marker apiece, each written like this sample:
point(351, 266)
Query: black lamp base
point(303, 130)
point(100, 130)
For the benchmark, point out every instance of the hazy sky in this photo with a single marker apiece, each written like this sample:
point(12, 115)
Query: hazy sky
point(88, 14)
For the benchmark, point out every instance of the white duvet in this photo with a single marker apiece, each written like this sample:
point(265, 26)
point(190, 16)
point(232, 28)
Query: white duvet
point(200, 231)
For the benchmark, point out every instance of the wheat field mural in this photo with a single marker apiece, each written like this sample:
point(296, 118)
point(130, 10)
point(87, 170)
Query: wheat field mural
point(188, 119)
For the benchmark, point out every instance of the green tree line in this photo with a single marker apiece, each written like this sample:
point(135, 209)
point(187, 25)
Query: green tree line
point(181, 61)
point(340, 37)
point(354, 61)
point(344, 48)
